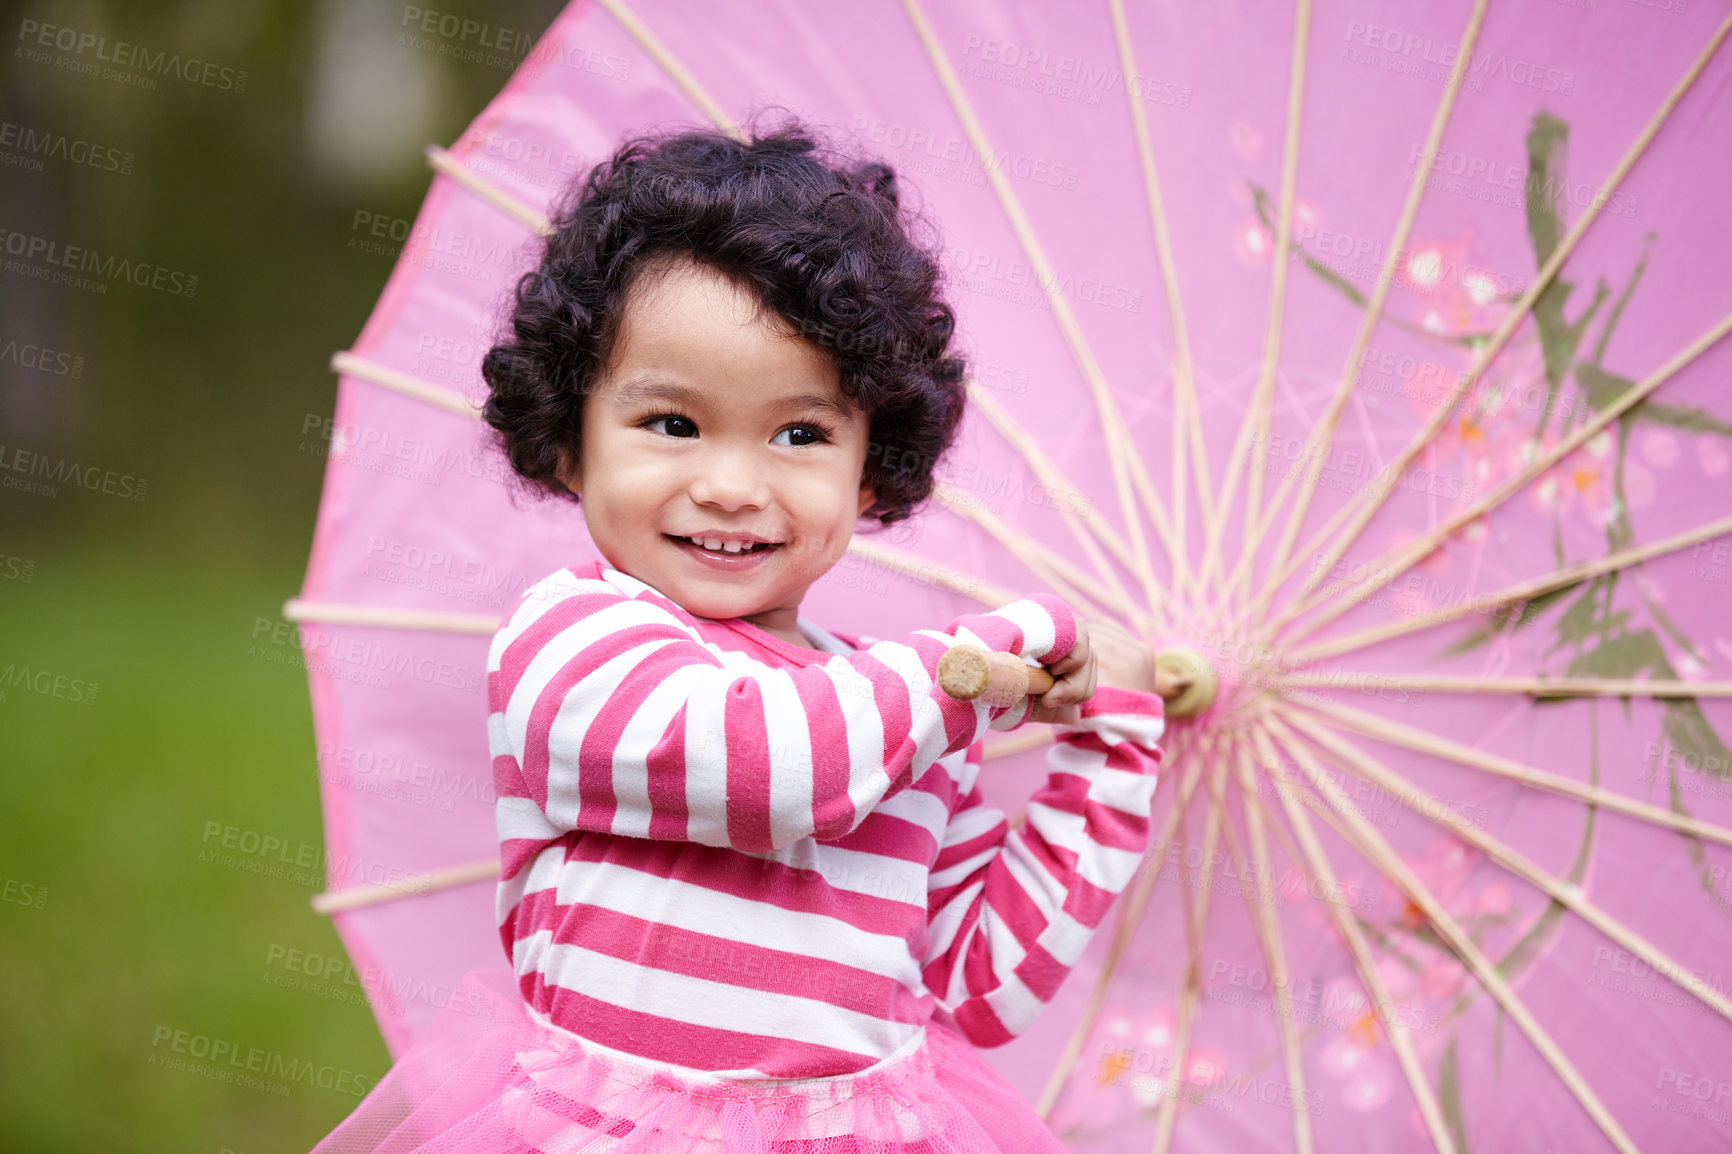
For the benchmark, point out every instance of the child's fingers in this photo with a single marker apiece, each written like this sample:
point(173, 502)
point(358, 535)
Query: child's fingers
point(1075, 684)
point(1051, 715)
point(1081, 655)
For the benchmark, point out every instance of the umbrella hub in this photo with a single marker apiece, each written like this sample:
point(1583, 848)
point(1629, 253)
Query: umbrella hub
point(1185, 681)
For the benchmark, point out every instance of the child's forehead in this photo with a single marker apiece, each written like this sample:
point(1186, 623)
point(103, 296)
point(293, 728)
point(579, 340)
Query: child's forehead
point(680, 283)
point(689, 332)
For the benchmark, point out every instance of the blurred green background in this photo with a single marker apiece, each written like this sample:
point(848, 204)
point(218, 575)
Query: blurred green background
point(140, 601)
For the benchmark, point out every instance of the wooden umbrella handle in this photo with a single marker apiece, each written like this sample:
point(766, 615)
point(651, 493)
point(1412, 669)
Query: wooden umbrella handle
point(1183, 679)
point(967, 672)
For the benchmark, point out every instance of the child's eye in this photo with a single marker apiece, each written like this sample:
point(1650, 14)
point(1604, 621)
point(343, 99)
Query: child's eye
point(800, 435)
point(673, 426)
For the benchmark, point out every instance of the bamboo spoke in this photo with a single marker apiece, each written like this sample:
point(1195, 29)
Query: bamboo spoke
point(1420, 741)
point(1191, 989)
point(1254, 430)
point(350, 365)
point(1064, 578)
point(1358, 512)
point(671, 65)
point(1130, 914)
point(1487, 603)
point(1531, 686)
point(931, 572)
point(1464, 947)
point(1111, 419)
point(1055, 481)
point(1317, 869)
point(1323, 433)
point(1187, 415)
point(1267, 922)
point(445, 162)
point(382, 617)
point(1029, 737)
point(1392, 565)
point(410, 886)
point(1566, 893)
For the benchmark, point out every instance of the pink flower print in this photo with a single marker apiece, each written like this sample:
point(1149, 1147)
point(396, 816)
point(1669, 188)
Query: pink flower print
point(1590, 473)
point(1344, 1055)
point(1246, 140)
point(1689, 666)
point(1494, 900)
point(1712, 455)
point(1204, 1067)
point(1369, 1088)
point(1457, 292)
point(1660, 448)
point(1157, 1033)
point(1252, 243)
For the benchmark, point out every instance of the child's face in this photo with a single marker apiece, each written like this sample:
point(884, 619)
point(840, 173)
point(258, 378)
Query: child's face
point(713, 421)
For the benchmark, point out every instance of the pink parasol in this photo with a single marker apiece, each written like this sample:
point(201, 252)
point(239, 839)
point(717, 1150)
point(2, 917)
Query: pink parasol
point(1372, 350)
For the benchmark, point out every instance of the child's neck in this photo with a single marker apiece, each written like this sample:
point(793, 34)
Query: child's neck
point(783, 623)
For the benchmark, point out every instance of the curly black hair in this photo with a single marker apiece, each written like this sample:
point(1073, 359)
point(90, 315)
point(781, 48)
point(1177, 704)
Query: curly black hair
point(820, 239)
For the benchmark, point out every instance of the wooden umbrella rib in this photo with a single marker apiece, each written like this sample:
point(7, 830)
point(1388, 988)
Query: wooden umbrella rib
point(1360, 681)
point(350, 365)
point(1130, 913)
point(443, 161)
point(1391, 565)
point(1188, 424)
point(1420, 741)
point(1317, 869)
point(1097, 533)
point(1255, 429)
point(1566, 893)
point(385, 617)
point(1322, 435)
point(920, 569)
point(1487, 603)
point(1266, 922)
point(1358, 512)
point(1191, 990)
point(1112, 421)
point(671, 65)
point(410, 886)
point(1031, 737)
point(1458, 940)
point(1064, 578)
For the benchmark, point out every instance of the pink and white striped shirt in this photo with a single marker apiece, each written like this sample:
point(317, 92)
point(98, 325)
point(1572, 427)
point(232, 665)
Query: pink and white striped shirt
point(728, 853)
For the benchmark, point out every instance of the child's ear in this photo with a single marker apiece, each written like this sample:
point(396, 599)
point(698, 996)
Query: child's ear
point(570, 472)
point(868, 496)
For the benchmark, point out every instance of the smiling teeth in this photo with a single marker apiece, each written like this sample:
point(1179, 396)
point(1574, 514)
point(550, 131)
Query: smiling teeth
point(717, 545)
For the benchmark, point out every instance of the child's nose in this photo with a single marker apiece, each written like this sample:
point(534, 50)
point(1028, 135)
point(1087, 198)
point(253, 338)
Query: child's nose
point(730, 481)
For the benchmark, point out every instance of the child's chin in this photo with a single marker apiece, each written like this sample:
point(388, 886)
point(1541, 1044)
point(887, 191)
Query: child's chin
point(718, 605)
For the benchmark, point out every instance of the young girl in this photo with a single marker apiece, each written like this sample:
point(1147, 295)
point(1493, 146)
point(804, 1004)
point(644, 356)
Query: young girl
point(752, 898)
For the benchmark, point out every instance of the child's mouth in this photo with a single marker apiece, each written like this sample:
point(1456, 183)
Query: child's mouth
point(728, 555)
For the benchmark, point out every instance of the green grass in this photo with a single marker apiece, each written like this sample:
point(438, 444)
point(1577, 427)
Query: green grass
point(106, 807)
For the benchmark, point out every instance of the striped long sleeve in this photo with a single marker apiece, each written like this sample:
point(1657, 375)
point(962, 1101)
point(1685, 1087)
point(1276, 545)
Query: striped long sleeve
point(1010, 911)
point(610, 713)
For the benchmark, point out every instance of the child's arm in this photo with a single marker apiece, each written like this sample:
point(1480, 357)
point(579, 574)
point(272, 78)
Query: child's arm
point(1010, 911)
point(607, 713)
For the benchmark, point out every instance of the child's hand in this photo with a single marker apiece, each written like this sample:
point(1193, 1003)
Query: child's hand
point(1073, 684)
point(1125, 660)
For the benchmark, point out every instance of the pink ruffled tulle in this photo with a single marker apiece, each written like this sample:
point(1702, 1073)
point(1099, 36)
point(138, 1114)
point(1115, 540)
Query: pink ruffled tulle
point(492, 1078)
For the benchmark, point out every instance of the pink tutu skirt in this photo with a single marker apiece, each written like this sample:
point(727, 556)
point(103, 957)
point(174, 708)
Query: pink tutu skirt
point(495, 1078)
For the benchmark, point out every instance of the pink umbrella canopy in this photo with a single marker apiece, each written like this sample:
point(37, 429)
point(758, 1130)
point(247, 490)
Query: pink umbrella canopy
point(1372, 350)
